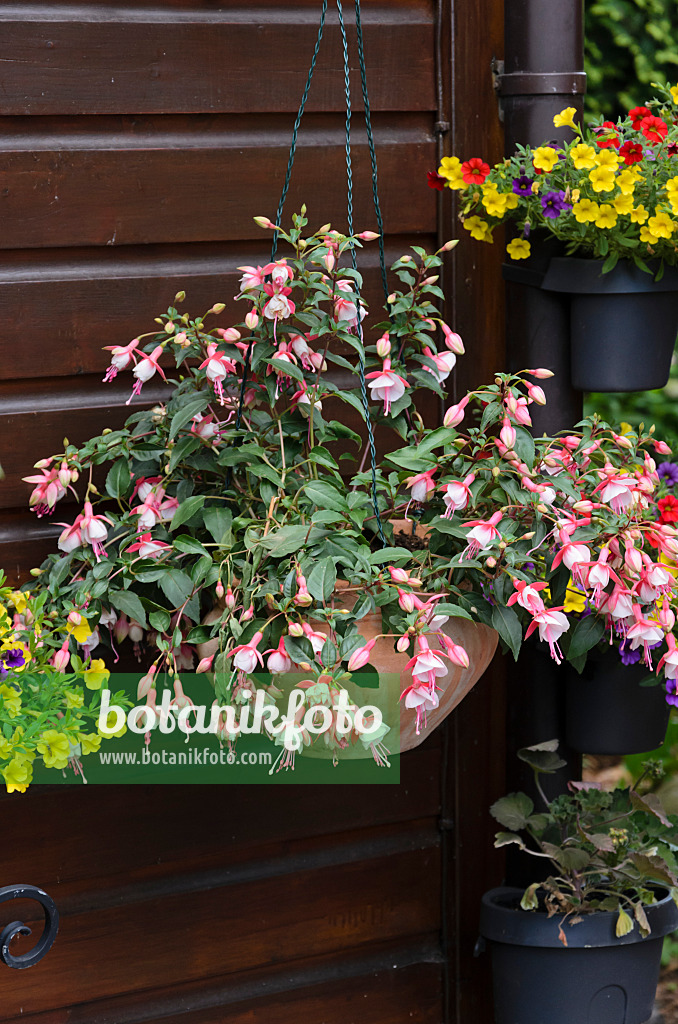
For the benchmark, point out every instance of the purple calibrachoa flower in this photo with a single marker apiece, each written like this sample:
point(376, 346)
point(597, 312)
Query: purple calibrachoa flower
point(669, 471)
point(553, 204)
point(628, 657)
point(14, 658)
point(522, 186)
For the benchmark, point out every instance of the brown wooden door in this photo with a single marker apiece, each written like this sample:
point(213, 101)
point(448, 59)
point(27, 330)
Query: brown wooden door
point(137, 142)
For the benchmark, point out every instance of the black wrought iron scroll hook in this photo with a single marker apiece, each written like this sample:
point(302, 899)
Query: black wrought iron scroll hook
point(44, 944)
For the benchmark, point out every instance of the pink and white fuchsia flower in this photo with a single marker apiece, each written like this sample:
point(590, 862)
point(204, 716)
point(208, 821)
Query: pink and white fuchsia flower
point(145, 369)
point(386, 385)
point(246, 657)
point(217, 368)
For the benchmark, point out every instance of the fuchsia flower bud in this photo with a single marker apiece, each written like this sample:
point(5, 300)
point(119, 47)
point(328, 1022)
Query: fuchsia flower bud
point(361, 656)
point(453, 340)
point(252, 319)
point(455, 413)
point(368, 236)
point(398, 575)
point(405, 600)
point(229, 334)
point(229, 600)
point(62, 658)
point(295, 629)
point(205, 665)
point(662, 448)
point(540, 373)
point(249, 614)
point(536, 394)
point(403, 644)
point(384, 346)
point(146, 682)
point(219, 589)
point(507, 433)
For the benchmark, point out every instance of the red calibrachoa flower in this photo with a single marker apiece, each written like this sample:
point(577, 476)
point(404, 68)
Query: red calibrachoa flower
point(610, 137)
point(632, 152)
point(637, 114)
point(668, 508)
point(435, 180)
point(474, 171)
point(653, 128)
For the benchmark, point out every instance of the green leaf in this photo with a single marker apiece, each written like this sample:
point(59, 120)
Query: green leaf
point(129, 604)
point(300, 649)
point(329, 654)
point(349, 644)
point(285, 367)
point(322, 580)
point(188, 508)
point(176, 586)
point(524, 446)
point(651, 804)
point(290, 539)
point(586, 635)
point(512, 811)
point(160, 621)
point(322, 457)
point(218, 522)
point(542, 757)
point(507, 624)
point(530, 900)
point(182, 449)
point(325, 496)
point(506, 838)
point(389, 555)
point(624, 924)
point(190, 408)
point(118, 479)
point(189, 545)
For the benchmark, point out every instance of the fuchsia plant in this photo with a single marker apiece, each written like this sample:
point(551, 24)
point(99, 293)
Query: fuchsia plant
point(236, 498)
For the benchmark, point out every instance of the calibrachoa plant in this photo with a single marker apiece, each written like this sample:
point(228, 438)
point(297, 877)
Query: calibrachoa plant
point(610, 193)
point(607, 850)
point(49, 693)
point(230, 512)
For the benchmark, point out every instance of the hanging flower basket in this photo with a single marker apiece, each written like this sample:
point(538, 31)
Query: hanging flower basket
point(609, 711)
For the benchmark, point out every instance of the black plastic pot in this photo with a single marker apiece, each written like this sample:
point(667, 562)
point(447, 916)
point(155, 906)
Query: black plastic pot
point(623, 324)
point(609, 712)
point(595, 979)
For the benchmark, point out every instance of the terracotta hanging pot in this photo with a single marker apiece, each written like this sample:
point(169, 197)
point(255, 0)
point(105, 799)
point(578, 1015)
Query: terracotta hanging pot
point(478, 640)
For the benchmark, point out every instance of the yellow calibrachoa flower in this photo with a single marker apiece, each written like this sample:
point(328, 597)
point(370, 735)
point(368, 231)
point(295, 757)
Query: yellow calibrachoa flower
point(511, 200)
point(628, 179)
point(545, 158)
point(18, 599)
point(574, 196)
point(11, 700)
point(672, 184)
point(518, 249)
point(479, 228)
point(89, 742)
point(80, 629)
point(55, 748)
point(574, 601)
point(661, 225)
point(639, 214)
point(110, 722)
point(585, 211)
point(623, 204)
point(495, 203)
point(674, 93)
point(565, 119)
point(535, 187)
point(450, 166)
point(96, 674)
point(647, 236)
point(607, 158)
point(583, 156)
point(74, 699)
point(18, 775)
point(607, 216)
point(602, 179)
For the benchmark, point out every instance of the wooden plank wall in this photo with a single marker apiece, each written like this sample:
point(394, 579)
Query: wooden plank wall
point(137, 141)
